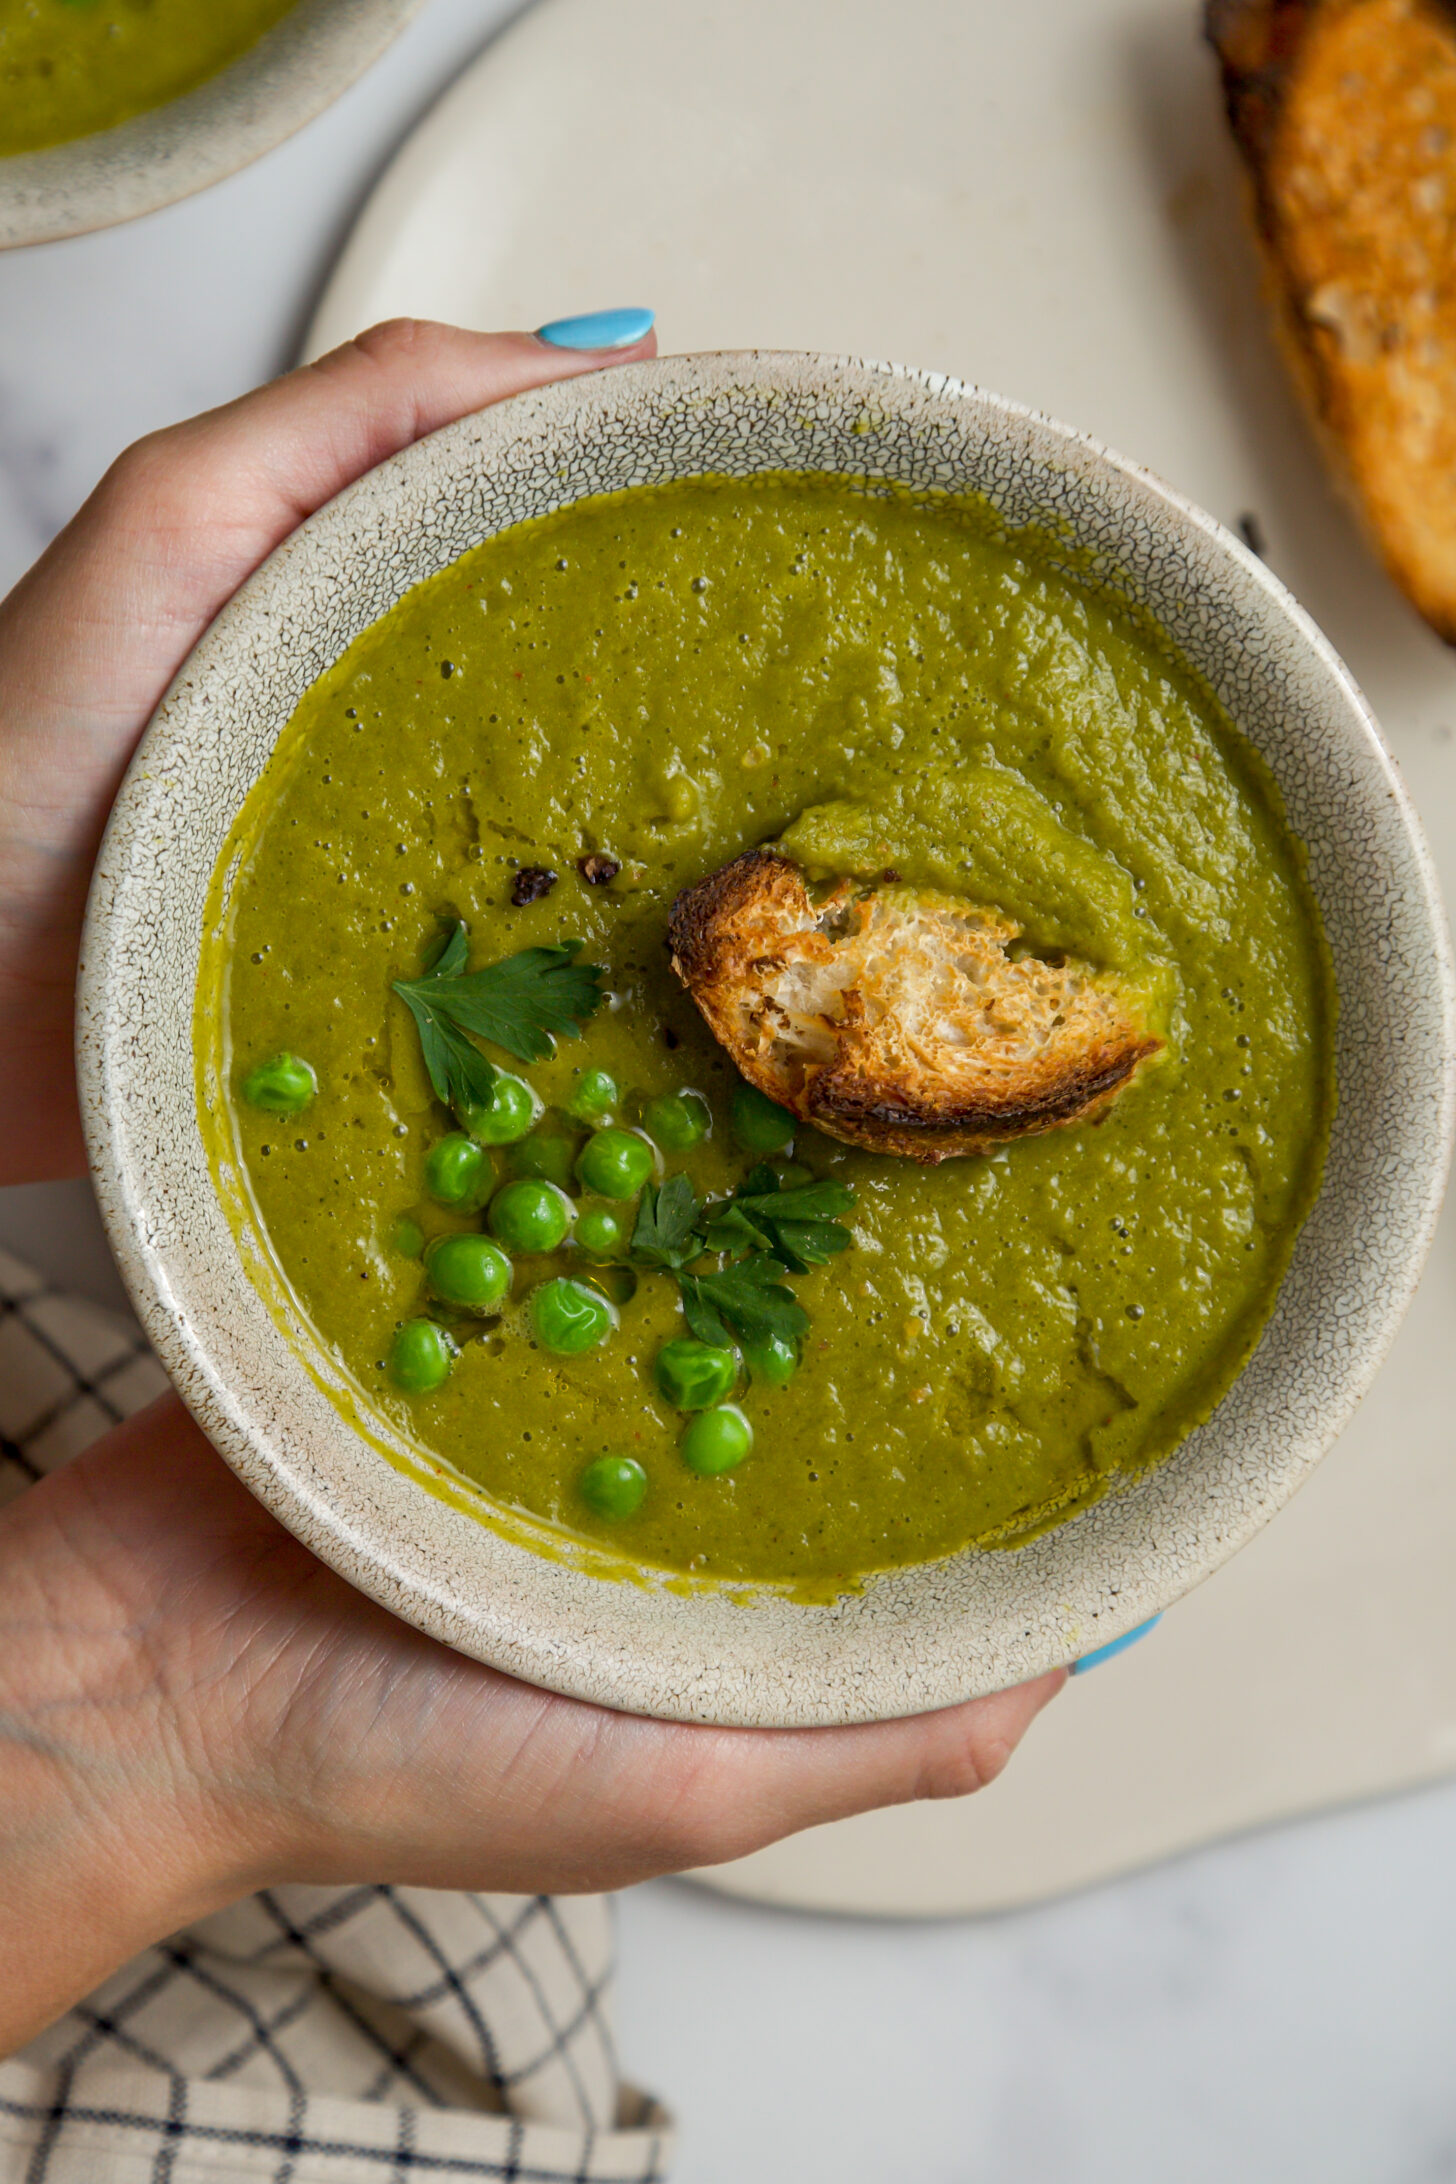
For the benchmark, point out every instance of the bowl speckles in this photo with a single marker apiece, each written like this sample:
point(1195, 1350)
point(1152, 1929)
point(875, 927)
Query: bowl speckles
point(920, 1638)
point(297, 69)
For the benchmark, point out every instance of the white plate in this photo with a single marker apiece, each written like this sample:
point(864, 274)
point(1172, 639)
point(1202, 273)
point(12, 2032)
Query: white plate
point(1039, 197)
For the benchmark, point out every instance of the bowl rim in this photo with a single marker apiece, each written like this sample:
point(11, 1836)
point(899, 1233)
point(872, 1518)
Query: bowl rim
point(300, 65)
point(590, 1665)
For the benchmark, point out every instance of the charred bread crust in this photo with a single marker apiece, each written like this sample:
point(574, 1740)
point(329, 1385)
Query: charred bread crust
point(844, 1105)
point(740, 933)
point(1257, 43)
point(699, 929)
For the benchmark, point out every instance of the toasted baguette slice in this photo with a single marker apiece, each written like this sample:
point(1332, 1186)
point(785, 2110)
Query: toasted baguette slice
point(1345, 112)
point(896, 1018)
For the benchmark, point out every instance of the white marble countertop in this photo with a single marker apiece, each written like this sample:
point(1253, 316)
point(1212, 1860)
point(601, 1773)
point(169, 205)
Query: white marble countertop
point(1279, 2008)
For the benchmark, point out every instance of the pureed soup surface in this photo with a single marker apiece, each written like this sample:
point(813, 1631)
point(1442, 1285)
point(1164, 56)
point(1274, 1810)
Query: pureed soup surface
point(69, 68)
point(668, 677)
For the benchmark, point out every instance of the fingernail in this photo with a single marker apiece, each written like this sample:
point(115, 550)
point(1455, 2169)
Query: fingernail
point(1117, 1645)
point(598, 329)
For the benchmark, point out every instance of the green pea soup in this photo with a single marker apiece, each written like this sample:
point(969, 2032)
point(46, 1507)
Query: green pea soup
point(652, 682)
point(69, 68)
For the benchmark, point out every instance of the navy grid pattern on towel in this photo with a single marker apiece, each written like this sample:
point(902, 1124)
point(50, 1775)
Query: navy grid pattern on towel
point(307, 2035)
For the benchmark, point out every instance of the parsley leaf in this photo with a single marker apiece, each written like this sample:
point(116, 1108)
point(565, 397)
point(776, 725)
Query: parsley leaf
point(450, 961)
point(459, 1072)
point(799, 1226)
point(822, 1200)
point(523, 1003)
point(764, 1230)
point(728, 1228)
point(666, 1231)
point(748, 1298)
point(520, 1003)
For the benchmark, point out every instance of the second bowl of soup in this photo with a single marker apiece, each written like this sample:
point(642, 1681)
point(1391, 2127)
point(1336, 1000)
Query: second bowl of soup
point(112, 108)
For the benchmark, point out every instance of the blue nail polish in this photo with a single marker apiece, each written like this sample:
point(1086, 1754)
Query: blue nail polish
point(1117, 1645)
point(598, 330)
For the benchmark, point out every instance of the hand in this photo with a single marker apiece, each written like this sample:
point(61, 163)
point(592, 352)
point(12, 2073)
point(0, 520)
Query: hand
point(190, 1710)
point(191, 1705)
point(91, 638)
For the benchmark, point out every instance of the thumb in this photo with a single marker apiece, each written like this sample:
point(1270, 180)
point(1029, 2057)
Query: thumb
point(294, 444)
point(185, 515)
point(93, 635)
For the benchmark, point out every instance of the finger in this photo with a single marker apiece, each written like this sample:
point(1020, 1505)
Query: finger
point(366, 1749)
point(716, 1795)
point(93, 635)
point(186, 514)
point(296, 443)
point(585, 1799)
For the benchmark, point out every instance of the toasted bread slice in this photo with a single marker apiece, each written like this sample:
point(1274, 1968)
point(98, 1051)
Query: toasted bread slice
point(1345, 112)
point(897, 1018)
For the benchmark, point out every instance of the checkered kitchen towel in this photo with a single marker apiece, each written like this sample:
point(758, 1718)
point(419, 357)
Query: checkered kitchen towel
point(307, 2035)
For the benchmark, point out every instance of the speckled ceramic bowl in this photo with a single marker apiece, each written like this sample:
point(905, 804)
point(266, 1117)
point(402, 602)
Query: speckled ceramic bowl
point(299, 67)
point(922, 1637)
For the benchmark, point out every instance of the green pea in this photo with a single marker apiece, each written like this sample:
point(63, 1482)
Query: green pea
point(420, 1357)
point(509, 1113)
point(613, 1486)
point(693, 1375)
point(716, 1440)
point(595, 1097)
point(776, 1360)
point(615, 1163)
point(468, 1270)
point(758, 1123)
point(544, 1155)
point(568, 1318)
point(530, 1216)
point(458, 1171)
point(678, 1121)
point(283, 1085)
point(407, 1237)
point(601, 1232)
